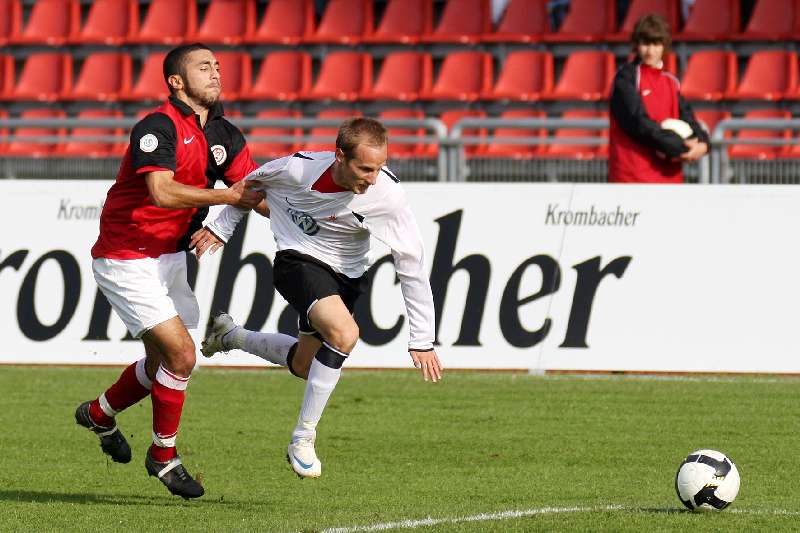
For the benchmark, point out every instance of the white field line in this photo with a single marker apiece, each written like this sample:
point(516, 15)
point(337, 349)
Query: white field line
point(508, 515)
point(483, 517)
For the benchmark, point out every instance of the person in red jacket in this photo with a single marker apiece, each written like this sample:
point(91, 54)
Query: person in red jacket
point(163, 189)
point(643, 95)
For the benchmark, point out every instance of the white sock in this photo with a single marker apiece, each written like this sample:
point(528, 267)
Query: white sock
point(272, 347)
point(321, 382)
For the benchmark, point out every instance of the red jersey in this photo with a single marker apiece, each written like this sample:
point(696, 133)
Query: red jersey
point(169, 138)
point(639, 150)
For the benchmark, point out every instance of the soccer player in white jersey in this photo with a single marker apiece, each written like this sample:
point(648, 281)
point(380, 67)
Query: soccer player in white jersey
point(324, 206)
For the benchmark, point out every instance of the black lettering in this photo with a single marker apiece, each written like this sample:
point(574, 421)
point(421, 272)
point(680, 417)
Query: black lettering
point(370, 332)
point(229, 269)
point(479, 270)
point(589, 276)
point(29, 322)
point(287, 322)
point(510, 323)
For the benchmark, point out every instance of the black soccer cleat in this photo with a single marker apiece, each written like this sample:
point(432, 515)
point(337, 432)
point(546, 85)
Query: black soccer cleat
point(175, 477)
point(112, 441)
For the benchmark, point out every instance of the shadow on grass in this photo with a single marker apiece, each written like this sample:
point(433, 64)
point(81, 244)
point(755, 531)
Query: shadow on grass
point(44, 496)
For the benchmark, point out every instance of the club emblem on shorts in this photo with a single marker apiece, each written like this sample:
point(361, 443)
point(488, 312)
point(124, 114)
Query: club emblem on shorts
point(148, 143)
point(219, 153)
point(304, 221)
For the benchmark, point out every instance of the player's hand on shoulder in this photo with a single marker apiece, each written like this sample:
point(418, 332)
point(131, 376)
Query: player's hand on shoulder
point(428, 363)
point(246, 194)
point(203, 240)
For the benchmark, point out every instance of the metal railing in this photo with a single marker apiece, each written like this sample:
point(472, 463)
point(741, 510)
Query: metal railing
point(446, 159)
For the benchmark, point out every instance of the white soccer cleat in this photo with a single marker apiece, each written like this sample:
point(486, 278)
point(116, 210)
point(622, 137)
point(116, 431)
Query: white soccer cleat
point(223, 324)
point(303, 458)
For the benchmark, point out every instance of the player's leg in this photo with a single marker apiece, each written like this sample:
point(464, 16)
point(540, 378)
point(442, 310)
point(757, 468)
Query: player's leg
point(177, 353)
point(227, 335)
point(332, 319)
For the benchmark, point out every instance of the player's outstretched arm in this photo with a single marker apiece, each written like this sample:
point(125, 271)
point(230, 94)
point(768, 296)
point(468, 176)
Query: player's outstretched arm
point(428, 363)
point(166, 192)
point(202, 240)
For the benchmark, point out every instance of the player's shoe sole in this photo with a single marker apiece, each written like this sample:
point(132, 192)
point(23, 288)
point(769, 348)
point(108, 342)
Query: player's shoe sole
point(303, 459)
point(112, 441)
point(174, 476)
point(222, 325)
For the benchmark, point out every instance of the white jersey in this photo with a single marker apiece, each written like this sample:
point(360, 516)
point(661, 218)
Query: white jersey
point(335, 228)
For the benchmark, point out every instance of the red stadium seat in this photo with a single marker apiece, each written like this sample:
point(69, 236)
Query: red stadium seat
point(587, 75)
point(343, 76)
point(404, 150)
point(109, 22)
point(150, 84)
point(29, 142)
point(45, 76)
point(284, 75)
point(527, 75)
point(772, 20)
point(463, 76)
point(284, 22)
point(403, 22)
point(710, 75)
point(501, 145)
point(638, 8)
point(92, 149)
point(104, 76)
point(450, 118)
point(168, 22)
point(344, 22)
point(711, 20)
point(10, 19)
point(709, 118)
point(326, 135)
point(587, 21)
point(404, 76)
point(226, 22)
point(236, 71)
point(6, 76)
point(273, 149)
point(524, 21)
point(770, 75)
point(51, 22)
point(761, 151)
point(462, 21)
point(557, 150)
point(3, 132)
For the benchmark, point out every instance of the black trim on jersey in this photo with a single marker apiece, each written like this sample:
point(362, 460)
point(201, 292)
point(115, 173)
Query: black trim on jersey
point(391, 175)
point(420, 349)
point(359, 217)
point(301, 156)
point(163, 155)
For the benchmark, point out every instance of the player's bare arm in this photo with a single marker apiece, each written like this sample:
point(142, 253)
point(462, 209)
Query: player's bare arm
point(428, 363)
point(168, 193)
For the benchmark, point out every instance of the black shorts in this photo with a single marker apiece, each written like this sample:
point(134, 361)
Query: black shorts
point(303, 280)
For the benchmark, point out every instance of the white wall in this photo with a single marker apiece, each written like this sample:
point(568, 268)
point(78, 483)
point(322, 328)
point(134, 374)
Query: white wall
point(695, 278)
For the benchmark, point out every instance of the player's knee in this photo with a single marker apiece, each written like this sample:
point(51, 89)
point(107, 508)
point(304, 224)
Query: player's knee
point(344, 337)
point(183, 359)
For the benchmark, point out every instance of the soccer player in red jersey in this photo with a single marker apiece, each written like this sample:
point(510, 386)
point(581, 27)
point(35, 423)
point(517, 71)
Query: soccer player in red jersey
point(160, 197)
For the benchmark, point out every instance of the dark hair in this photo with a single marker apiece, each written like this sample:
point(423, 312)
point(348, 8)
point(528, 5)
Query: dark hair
point(360, 130)
point(652, 29)
point(175, 62)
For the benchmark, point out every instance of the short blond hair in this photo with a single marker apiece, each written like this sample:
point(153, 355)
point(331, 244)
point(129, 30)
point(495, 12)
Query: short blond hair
point(360, 130)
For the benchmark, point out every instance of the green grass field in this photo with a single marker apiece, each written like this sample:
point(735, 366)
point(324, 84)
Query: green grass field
point(568, 453)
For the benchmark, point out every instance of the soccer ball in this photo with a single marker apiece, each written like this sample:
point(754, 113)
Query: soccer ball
point(682, 128)
point(707, 480)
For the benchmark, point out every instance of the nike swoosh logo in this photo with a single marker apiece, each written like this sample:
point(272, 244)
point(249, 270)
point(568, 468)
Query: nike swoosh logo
point(301, 463)
point(187, 141)
point(644, 93)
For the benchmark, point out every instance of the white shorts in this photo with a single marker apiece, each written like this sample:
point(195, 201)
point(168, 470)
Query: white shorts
point(146, 292)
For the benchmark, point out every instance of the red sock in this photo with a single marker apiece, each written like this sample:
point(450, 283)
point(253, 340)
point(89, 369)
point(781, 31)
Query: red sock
point(132, 386)
point(168, 393)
